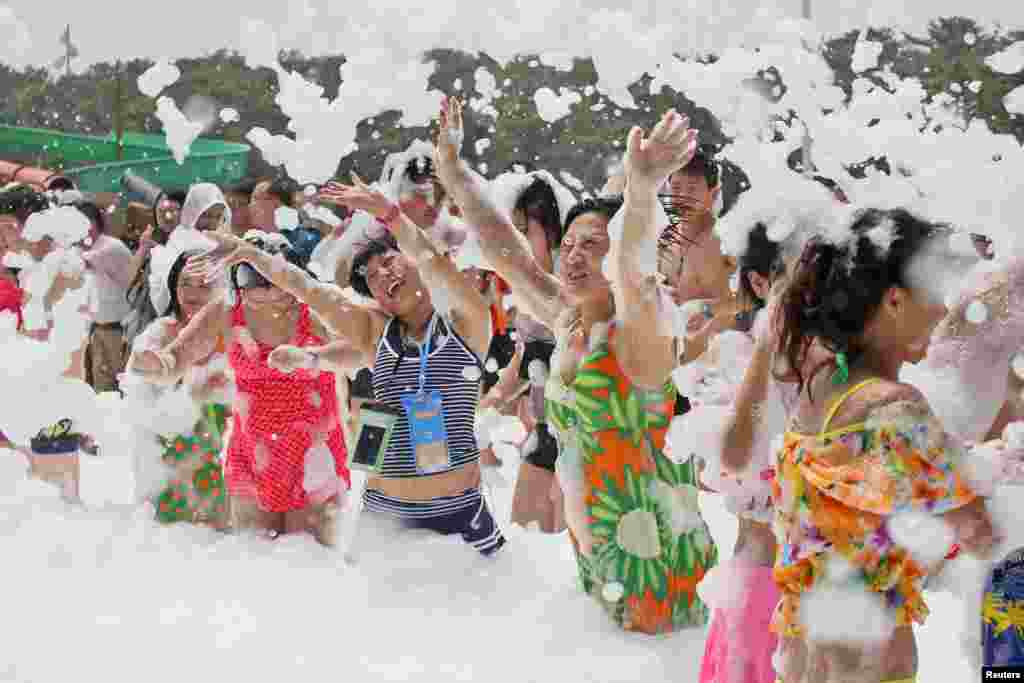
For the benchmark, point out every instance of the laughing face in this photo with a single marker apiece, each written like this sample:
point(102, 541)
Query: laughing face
point(584, 248)
point(395, 283)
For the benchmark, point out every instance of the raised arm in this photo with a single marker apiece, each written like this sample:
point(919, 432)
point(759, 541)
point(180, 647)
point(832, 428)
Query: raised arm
point(647, 356)
point(357, 326)
point(504, 247)
point(195, 343)
point(469, 308)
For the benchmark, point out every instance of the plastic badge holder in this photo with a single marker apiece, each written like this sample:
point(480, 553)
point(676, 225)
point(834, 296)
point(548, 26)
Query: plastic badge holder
point(427, 431)
point(376, 422)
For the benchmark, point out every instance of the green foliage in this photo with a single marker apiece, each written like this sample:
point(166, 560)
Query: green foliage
point(583, 143)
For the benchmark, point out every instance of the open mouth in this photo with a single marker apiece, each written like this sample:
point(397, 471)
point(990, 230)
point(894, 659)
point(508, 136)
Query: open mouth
point(576, 278)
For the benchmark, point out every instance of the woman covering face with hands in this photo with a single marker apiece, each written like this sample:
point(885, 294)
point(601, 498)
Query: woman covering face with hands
point(641, 544)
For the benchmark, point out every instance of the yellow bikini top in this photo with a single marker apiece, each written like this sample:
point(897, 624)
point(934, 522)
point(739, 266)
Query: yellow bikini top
point(836, 433)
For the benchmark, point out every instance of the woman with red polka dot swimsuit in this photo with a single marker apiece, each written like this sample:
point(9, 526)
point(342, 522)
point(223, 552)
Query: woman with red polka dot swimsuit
point(283, 422)
point(286, 462)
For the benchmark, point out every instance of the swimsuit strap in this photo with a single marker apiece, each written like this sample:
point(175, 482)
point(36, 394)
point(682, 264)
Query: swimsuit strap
point(838, 404)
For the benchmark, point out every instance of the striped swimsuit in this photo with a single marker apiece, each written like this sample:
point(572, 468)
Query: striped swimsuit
point(396, 374)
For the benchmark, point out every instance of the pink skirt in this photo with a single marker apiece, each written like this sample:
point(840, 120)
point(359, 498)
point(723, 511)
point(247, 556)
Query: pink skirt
point(740, 645)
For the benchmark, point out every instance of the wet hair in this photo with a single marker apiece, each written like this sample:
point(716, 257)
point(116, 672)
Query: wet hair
point(284, 189)
point(95, 215)
point(703, 164)
point(606, 206)
point(837, 289)
point(357, 280)
point(60, 183)
point(174, 307)
point(762, 256)
point(538, 201)
point(21, 202)
point(177, 196)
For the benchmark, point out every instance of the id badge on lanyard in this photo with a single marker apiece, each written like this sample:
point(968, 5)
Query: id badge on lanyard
point(425, 411)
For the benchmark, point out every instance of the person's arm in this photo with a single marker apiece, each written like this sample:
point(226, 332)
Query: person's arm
point(509, 385)
point(141, 254)
point(195, 344)
point(339, 358)
point(739, 431)
point(357, 326)
point(504, 247)
point(469, 308)
point(647, 357)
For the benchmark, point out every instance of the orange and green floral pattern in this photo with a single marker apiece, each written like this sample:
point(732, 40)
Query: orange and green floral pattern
point(834, 494)
point(197, 493)
point(650, 546)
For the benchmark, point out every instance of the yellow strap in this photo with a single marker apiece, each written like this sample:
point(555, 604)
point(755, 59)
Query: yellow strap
point(838, 404)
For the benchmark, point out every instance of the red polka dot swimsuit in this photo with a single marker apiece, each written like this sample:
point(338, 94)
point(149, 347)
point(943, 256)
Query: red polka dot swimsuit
point(281, 422)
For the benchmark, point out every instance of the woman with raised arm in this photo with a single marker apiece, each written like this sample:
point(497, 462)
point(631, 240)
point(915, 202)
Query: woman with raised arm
point(865, 461)
point(424, 344)
point(286, 465)
point(641, 544)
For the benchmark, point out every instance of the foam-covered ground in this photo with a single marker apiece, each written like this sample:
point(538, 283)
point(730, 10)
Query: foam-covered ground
point(109, 595)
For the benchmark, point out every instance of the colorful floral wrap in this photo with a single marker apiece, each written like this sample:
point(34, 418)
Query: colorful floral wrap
point(648, 545)
point(1003, 613)
point(197, 492)
point(835, 492)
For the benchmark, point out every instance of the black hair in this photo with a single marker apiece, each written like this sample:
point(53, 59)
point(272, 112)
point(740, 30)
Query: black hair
point(419, 169)
point(60, 183)
point(22, 201)
point(607, 206)
point(837, 289)
point(174, 307)
point(245, 187)
point(357, 280)
point(538, 201)
point(95, 215)
point(762, 256)
point(290, 254)
point(284, 190)
point(703, 164)
point(177, 196)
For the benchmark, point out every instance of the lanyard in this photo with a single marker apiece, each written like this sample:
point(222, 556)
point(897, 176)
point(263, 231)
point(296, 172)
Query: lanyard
point(424, 352)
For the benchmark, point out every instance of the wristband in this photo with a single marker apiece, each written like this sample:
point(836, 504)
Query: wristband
point(390, 216)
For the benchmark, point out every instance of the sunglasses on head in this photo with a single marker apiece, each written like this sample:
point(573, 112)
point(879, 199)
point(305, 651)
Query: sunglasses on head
point(244, 276)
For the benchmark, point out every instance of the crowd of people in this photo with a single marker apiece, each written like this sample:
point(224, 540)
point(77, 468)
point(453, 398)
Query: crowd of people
point(381, 326)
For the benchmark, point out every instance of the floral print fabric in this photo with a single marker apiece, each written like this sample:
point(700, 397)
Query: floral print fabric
point(835, 492)
point(648, 546)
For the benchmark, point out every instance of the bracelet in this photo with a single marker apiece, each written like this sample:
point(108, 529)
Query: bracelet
point(390, 216)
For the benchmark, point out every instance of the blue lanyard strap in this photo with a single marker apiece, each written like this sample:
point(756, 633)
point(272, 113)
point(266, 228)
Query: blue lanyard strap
point(424, 352)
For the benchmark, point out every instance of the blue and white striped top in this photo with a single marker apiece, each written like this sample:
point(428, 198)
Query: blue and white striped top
point(447, 372)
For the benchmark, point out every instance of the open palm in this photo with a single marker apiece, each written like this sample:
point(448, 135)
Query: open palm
point(358, 197)
point(451, 133)
point(671, 145)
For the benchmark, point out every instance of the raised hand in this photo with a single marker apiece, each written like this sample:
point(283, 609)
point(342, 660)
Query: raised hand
point(650, 161)
point(359, 197)
point(450, 134)
point(230, 251)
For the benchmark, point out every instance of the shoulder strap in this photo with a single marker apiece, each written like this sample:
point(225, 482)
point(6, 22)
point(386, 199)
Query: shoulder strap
point(238, 314)
point(842, 399)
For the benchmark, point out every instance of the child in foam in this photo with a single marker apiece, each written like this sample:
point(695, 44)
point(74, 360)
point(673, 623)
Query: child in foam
point(196, 491)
